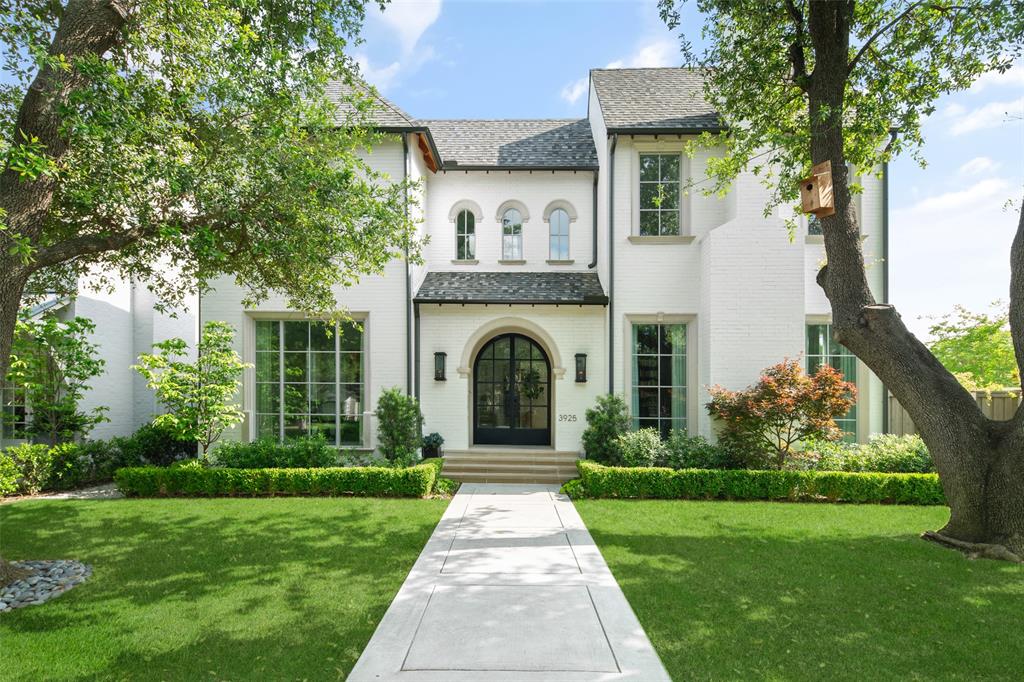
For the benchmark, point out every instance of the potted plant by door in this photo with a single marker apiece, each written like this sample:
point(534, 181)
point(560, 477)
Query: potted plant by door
point(432, 445)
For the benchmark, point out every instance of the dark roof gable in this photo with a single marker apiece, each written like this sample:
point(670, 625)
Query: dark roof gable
point(386, 116)
point(664, 99)
point(534, 144)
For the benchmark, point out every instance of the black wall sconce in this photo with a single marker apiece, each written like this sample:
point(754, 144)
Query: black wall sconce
point(439, 362)
point(581, 368)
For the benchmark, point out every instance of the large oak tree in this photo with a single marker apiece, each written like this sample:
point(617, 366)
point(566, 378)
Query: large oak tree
point(176, 141)
point(850, 82)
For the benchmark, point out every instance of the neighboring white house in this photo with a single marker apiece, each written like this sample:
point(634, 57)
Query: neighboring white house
point(565, 261)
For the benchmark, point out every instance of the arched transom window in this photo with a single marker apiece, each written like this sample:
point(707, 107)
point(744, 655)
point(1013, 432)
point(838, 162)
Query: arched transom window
point(559, 234)
point(512, 235)
point(465, 235)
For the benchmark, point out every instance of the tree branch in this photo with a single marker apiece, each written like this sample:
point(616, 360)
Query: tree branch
point(867, 44)
point(85, 245)
point(796, 48)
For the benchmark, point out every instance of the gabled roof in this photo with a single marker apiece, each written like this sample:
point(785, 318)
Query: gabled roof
point(539, 288)
point(648, 100)
point(386, 116)
point(525, 144)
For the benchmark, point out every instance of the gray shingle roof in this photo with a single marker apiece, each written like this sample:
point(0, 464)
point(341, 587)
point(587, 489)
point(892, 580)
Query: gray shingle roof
point(654, 99)
point(514, 143)
point(386, 115)
point(575, 288)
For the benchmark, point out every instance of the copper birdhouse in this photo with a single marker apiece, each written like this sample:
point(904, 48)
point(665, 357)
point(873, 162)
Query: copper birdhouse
point(816, 191)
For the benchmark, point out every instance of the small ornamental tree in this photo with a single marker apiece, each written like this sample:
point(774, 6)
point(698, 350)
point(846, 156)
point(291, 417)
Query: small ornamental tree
point(976, 347)
point(784, 407)
point(53, 363)
point(199, 396)
point(399, 426)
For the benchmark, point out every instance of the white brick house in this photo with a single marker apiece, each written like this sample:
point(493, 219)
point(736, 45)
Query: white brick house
point(558, 244)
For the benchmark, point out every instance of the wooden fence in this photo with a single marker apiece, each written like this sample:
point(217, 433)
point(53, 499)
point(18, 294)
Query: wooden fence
point(1000, 405)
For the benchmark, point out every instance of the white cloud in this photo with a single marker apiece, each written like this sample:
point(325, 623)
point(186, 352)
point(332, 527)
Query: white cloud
point(978, 165)
point(409, 19)
point(989, 115)
point(952, 248)
point(573, 91)
point(1012, 78)
point(658, 52)
point(982, 192)
point(382, 77)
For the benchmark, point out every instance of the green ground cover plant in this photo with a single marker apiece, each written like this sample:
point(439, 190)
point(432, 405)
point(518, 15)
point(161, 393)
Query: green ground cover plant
point(763, 591)
point(215, 589)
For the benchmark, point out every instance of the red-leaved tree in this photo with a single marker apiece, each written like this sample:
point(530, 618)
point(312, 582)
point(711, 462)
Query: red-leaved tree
point(784, 407)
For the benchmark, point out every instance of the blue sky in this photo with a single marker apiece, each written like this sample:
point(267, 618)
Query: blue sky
point(950, 232)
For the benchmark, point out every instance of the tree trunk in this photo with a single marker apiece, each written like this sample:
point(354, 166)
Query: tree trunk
point(980, 462)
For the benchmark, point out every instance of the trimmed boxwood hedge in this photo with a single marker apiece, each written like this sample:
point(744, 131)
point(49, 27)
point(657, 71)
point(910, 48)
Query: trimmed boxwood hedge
point(198, 481)
point(597, 480)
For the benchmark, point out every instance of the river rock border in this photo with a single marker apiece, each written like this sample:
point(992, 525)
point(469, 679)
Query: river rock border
point(46, 580)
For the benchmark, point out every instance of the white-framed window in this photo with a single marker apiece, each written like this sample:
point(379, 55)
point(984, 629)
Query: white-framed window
point(822, 349)
point(465, 235)
point(658, 393)
point(13, 412)
point(558, 230)
point(309, 380)
point(660, 199)
point(512, 234)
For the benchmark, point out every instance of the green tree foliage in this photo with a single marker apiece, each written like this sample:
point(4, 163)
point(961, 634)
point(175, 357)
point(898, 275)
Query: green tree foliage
point(399, 427)
point(192, 134)
point(784, 407)
point(54, 362)
point(976, 347)
point(199, 395)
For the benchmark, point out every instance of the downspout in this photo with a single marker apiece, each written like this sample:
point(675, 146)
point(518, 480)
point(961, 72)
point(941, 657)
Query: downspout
point(408, 273)
point(885, 275)
point(416, 350)
point(593, 263)
point(611, 264)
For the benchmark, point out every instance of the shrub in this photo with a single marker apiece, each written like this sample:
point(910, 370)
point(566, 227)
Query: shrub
point(68, 469)
point(33, 464)
point(8, 474)
point(445, 486)
point(199, 481)
point(742, 484)
point(784, 407)
point(302, 453)
point(641, 448)
point(884, 453)
point(573, 488)
point(606, 421)
point(695, 452)
point(157, 445)
point(399, 427)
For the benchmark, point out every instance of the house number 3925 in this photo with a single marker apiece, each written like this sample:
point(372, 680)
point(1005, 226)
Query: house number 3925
point(566, 417)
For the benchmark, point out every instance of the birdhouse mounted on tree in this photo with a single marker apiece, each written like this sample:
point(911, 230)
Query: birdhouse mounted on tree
point(816, 191)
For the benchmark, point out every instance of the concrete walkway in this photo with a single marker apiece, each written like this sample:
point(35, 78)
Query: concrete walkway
point(509, 587)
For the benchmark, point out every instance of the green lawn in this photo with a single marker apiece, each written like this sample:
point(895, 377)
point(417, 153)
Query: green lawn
point(209, 589)
point(744, 590)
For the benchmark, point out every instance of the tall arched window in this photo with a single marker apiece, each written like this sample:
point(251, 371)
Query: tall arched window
point(559, 234)
point(465, 235)
point(512, 235)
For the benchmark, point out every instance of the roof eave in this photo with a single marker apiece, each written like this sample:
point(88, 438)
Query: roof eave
point(423, 130)
point(680, 130)
point(587, 300)
point(460, 167)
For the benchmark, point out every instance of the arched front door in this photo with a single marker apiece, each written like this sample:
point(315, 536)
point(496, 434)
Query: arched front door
point(512, 393)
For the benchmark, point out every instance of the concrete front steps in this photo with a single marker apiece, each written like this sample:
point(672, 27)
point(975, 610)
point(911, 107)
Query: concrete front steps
point(510, 465)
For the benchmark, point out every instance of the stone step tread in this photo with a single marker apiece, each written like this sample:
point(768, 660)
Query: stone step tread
point(486, 461)
point(515, 468)
point(491, 477)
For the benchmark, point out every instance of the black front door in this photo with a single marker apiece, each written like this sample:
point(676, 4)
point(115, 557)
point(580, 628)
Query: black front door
point(512, 393)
